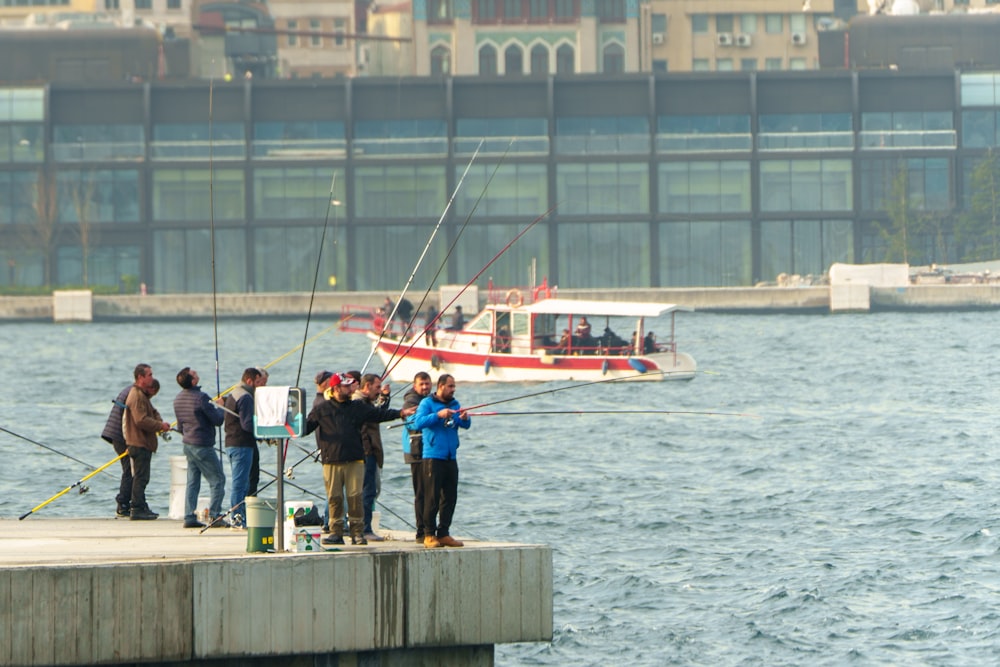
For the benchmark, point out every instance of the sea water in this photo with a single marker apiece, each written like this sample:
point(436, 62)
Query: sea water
point(840, 508)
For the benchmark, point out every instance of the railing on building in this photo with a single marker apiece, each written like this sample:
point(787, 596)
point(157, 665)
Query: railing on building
point(226, 149)
point(408, 146)
point(703, 143)
point(878, 139)
point(534, 145)
point(602, 144)
point(87, 151)
point(805, 141)
point(299, 149)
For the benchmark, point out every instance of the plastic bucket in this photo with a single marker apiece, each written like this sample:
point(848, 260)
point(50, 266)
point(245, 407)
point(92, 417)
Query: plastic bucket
point(261, 514)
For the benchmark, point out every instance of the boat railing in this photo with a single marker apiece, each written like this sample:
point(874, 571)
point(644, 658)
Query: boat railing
point(362, 319)
point(519, 296)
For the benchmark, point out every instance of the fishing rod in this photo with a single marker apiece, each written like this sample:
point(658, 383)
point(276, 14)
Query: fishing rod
point(44, 446)
point(427, 327)
point(451, 249)
point(319, 258)
point(211, 225)
point(610, 412)
point(72, 486)
point(423, 254)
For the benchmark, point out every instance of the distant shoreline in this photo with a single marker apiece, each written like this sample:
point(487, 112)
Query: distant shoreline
point(748, 300)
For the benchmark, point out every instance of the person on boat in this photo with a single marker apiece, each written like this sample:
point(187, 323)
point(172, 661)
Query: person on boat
point(583, 328)
point(564, 342)
point(431, 327)
point(649, 343)
point(439, 416)
point(376, 394)
point(112, 434)
point(457, 320)
point(197, 418)
point(241, 445)
point(140, 424)
point(339, 421)
point(502, 340)
point(413, 447)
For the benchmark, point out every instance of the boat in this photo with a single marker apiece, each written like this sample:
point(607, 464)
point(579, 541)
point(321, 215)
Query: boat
point(524, 335)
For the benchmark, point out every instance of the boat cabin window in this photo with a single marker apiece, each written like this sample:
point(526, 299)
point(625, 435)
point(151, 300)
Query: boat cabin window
point(520, 324)
point(482, 324)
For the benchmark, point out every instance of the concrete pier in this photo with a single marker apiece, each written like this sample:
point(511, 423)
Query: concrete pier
point(97, 591)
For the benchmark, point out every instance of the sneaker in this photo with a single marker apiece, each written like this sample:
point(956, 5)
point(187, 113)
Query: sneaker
point(420, 538)
point(449, 541)
point(142, 515)
point(432, 542)
point(193, 524)
point(358, 539)
point(372, 537)
point(333, 539)
point(123, 511)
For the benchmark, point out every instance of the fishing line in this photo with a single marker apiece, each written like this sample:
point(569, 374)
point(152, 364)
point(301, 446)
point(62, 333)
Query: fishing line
point(444, 262)
point(319, 258)
point(51, 449)
point(610, 412)
point(69, 488)
point(474, 278)
point(422, 254)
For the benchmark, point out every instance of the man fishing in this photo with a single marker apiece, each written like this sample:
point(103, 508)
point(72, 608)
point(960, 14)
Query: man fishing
point(140, 424)
point(112, 433)
point(197, 419)
point(413, 448)
point(440, 416)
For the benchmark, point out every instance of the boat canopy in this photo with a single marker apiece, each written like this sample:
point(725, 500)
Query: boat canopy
point(606, 308)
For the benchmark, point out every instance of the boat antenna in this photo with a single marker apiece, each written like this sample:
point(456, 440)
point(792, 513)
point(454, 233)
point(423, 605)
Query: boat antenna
point(423, 254)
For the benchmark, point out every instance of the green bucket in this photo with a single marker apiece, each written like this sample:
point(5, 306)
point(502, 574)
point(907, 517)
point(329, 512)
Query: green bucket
point(261, 514)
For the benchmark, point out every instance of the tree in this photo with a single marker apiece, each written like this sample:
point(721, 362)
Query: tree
point(897, 231)
point(40, 234)
point(978, 229)
point(82, 195)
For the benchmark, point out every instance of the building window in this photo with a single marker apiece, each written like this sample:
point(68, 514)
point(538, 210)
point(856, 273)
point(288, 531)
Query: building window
point(183, 261)
point(567, 9)
point(294, 193)
point(315, 40)
point(602, 135)
point(565, 59)
point(486, 10)
point(488, 61)
point(143, 4)
point(660, 66)
point(339, 27)
point(700, 65)
point(608, 253)
point(614, 59)
point(797, 63)
point(926, 183)
point(699, 24)
point(98, 196)
point(399, 191)
point(724, 23)
point(538, 10)
point(173, 4)
point(610, 11)
point(181, 195)
point(659, 24)
point(748, 24)
point(439, 11)
point(704, 187)
point(804, 246)
point(539, 60)
point(724, 64)
point(514, 189)
point(806, 185)
point(440, 60)
point(774, 24)
point(513, 61)
point(293, 39)
point(772, 64)
point(511, 10)
point(748, 64)
point(723, 250)
point(111, 4)
point(797, 22)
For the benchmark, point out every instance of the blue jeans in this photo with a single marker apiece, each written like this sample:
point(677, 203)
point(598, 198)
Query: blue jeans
point(240, 463)
point(203, 462)
point(371, 488)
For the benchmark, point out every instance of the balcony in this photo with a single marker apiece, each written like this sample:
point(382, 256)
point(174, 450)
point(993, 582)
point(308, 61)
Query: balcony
point(805, 141)
point(532, 145)
point(904, 139)
point(703, 143)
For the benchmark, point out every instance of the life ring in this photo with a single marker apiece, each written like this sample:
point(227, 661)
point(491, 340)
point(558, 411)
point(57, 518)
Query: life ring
point(514, 298)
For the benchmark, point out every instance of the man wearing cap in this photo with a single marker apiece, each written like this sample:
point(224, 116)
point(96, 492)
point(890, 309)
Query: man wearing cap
point(338, 422)
point(372, 392)
point(322, 381)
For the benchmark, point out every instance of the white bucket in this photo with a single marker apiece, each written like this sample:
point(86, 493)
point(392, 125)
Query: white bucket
point(307, 540)
point(376, 520)
point(289, 527)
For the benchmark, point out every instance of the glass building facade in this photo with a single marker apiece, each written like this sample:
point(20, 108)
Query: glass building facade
point(663, 180)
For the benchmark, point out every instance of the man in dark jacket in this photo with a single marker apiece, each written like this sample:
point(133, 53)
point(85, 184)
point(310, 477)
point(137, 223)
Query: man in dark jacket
point(197, 419)
point(373, 393)
point(413, 445)
point(241, 445)
point(339, 421)
point(140, 425)
point(112, 433)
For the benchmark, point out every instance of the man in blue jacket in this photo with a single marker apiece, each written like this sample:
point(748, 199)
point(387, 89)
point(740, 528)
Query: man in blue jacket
point(439, 417)
point(197, 419)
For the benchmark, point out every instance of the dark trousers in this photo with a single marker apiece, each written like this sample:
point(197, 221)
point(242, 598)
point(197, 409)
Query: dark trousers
point(417, 475)
point(254, 481)
point(369, 491)
point(124, 496)
point(440, 495)
point(140, 458)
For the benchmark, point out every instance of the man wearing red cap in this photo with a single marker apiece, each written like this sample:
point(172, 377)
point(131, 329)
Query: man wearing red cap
point(338, 423)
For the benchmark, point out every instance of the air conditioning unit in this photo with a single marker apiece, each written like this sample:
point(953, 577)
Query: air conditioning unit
point(798, 38)
point(744, 40)
point(658, 38)
point(724, 39)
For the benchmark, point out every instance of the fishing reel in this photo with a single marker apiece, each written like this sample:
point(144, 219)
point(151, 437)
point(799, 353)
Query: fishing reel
point(83, 489)
point(165, 435)
point(290, 473)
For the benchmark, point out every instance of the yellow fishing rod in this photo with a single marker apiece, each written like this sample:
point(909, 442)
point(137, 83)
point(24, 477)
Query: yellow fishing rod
point(119, 458)
point(72, 486)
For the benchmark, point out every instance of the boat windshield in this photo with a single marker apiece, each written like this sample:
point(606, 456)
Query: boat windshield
point(482, 324)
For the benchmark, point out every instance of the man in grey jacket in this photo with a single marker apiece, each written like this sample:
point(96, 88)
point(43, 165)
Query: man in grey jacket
point(197, 419)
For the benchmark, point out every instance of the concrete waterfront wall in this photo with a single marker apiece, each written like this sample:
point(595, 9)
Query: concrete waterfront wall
point(411, 607)
point(707, 299)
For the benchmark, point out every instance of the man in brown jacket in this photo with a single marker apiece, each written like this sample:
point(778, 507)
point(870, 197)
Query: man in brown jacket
point(140, 424)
